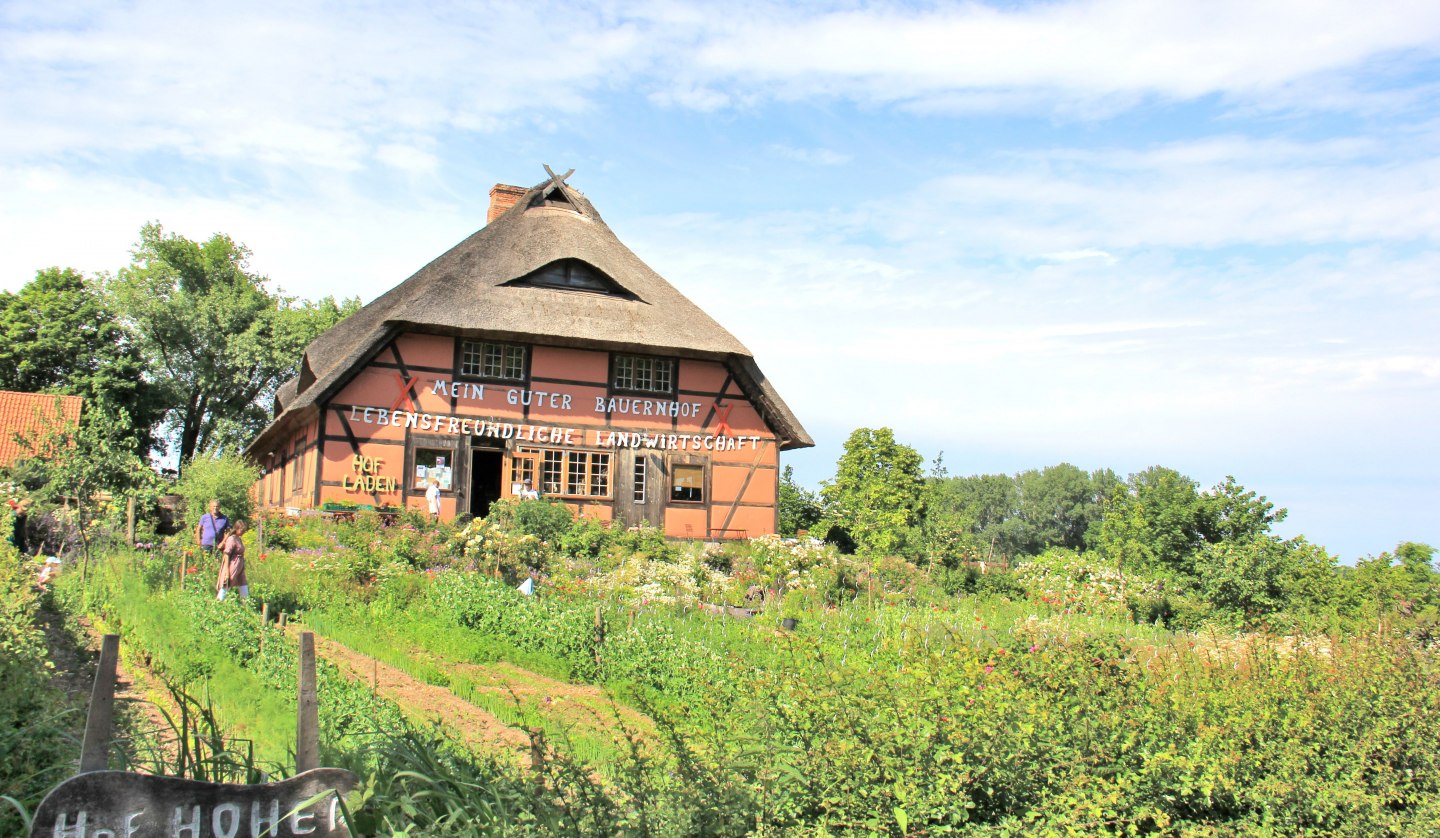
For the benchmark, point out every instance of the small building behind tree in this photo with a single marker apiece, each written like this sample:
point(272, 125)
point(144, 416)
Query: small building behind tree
point(33, 416)
point(538, 353)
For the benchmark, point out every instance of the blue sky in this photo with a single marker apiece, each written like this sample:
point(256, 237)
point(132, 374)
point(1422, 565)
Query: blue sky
point(1113, 233)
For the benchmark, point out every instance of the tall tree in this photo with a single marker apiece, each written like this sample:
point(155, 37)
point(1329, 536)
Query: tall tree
point(986, 503)
point(59, 334)
point(877, 491)
point(1153, 522)
point(1056, 504)
point(797, 507)
point(1230, 512)
point(947, 528)
point(218, 342)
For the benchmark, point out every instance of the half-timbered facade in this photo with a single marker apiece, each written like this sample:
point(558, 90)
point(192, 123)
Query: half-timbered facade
point(542, 353)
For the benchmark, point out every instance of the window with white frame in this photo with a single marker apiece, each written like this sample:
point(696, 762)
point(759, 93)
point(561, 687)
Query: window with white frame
point(482, 359)
point(567, 473)
point(643, 373)
point(638, 492)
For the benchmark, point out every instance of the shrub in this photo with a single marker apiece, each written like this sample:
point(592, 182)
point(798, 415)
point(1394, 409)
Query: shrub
point(587, 539)
point(492, 550)
point(33, 735)
point(227, 478)
point(546, 519)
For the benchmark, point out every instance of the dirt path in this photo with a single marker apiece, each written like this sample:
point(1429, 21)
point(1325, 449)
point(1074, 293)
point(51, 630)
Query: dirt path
point(475, 726)
point(137, 692)
point(584, 710)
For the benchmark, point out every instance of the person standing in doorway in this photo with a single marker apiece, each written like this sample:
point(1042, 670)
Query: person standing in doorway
point(232, 563)
point(432, 498)
point(210, 532)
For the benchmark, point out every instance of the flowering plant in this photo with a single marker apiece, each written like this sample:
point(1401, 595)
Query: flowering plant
point(490, 549)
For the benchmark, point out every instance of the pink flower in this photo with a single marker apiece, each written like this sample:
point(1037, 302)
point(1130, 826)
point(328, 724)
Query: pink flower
point(989, 668)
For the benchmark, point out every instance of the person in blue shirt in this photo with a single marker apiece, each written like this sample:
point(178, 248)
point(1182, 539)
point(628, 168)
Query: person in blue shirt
point(210, 532)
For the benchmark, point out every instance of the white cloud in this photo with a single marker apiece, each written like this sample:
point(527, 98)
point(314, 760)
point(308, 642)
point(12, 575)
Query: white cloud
point(292, 84)
point(407, 158)
point(812, 156)
point(1077, 50)
point(1079, 256)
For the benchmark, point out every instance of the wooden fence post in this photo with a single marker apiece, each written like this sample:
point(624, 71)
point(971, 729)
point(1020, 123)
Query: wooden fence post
point(307, 722)
point(100, 719)
point(599, 636)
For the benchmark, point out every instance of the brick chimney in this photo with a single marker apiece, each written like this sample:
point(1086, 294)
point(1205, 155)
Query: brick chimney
point(502, 197)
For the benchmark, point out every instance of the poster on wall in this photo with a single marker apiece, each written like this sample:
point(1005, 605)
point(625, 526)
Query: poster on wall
point(431, 463)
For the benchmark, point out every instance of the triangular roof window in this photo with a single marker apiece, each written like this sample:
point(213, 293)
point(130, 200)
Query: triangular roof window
point(572, 275)
point(556, 193)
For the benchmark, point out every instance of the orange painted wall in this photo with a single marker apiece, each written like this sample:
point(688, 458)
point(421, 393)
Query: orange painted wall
point(416, 350)
point(569, 364)
point(741, 479)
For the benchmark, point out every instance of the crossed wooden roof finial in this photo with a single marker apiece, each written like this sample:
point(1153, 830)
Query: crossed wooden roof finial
point(557, 182)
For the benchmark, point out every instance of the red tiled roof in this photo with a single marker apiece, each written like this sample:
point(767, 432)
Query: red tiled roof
point(26, 413)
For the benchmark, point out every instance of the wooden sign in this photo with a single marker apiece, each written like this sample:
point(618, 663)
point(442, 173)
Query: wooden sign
point(118, 804)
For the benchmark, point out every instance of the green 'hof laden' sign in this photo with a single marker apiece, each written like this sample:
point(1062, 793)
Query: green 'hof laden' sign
point(117, 804)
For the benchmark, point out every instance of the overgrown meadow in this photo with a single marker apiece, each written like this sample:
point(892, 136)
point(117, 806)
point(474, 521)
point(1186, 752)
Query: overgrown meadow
point(904, 701)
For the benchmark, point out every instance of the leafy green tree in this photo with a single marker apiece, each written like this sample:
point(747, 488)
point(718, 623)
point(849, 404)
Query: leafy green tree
point(1378, 590)
point(877, 492)
point(59, 334)
point(1230, 512)
point(1422, 584)
point(1312, 583)
point(984, 504)
point(227, 478)
point(1245, 577)
point(1152, 523)
point(1124, 534)
point(798, 508)
point(946, 529)
point(1056, 505)
point(1104, 483)
point(219, 344)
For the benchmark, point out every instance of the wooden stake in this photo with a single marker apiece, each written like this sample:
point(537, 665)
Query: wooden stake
point(599, 635)
point(307, 722)
point(100, 719)
point(264, 621)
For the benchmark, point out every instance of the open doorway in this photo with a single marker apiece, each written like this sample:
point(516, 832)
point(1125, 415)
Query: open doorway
point(485, 483)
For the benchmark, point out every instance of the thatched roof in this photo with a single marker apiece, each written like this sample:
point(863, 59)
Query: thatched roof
point(472, 290)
